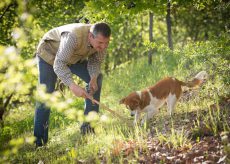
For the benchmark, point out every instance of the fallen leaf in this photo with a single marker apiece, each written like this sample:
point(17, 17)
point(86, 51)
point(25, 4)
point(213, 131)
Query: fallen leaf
point(222, 159)
point(171, 158)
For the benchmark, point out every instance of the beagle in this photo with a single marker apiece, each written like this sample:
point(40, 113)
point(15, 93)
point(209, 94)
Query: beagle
point(167, 90)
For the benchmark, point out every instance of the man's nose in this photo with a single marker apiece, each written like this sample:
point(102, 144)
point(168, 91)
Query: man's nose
point(104, 46)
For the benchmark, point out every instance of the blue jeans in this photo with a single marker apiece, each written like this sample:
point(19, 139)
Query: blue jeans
point(48, 77)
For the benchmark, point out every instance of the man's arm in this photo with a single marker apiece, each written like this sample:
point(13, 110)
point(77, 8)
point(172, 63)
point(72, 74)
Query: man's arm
point(94, 68)
point(67, 46)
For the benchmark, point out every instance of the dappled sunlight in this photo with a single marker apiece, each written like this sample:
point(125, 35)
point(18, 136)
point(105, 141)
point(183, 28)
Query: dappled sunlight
point(198, 131)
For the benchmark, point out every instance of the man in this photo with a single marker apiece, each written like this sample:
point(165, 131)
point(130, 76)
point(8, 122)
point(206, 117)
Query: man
point(71, 49)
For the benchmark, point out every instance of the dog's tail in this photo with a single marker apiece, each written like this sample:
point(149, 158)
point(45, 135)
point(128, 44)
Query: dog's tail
point(197, 80)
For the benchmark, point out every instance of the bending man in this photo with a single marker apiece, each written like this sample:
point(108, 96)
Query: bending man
point(66, 50)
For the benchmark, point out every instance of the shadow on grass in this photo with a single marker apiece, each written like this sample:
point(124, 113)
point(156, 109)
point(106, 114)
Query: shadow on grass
point(199, 123)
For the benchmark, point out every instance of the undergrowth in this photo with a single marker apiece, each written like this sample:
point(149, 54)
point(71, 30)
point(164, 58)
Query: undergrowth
point(116, 142)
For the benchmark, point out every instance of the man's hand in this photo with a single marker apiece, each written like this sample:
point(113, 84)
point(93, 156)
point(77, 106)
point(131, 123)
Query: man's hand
point(78, 91)
point(93, 85)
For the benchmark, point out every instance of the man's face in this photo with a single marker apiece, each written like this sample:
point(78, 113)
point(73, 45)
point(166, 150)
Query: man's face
point(98, 42)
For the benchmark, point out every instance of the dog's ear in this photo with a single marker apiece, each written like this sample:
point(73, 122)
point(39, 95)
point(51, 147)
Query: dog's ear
point(122, 101)
point(135, 103)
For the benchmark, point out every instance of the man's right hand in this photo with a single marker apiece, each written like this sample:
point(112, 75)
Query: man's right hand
point(78, 91)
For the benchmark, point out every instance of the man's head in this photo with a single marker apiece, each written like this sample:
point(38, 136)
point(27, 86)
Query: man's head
point(99, 36)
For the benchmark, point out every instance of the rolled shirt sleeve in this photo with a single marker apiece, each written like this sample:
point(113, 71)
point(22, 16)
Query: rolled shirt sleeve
point(94, 63)
point(66, 49)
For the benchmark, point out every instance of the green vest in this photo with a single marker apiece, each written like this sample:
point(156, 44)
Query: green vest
point(50, 42)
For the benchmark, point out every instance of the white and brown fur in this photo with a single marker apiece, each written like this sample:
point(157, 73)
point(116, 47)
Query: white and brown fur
point(167, 90)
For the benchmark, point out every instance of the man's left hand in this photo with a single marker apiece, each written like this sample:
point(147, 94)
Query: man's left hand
point(93, 85)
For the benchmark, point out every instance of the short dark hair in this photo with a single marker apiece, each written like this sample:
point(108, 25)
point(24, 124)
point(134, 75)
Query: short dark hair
point(101, 28)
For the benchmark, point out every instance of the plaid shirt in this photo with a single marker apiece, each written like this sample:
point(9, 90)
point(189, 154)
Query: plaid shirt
point(67, 46)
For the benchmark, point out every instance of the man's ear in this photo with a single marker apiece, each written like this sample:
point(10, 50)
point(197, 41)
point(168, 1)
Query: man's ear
point(91, 35)
point(122, 101)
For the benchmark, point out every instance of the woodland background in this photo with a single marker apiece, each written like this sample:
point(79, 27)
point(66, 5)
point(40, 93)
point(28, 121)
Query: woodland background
point(151, 39)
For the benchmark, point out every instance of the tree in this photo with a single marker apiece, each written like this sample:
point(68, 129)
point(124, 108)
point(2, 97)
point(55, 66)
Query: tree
point(150, 36)
point(168, 22)
point(17, 77)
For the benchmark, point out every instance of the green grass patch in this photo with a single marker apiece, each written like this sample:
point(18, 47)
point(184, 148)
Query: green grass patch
point(115, 141)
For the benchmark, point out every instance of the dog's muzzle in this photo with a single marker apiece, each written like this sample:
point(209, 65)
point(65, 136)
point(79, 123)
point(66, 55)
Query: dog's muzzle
point(132, 113)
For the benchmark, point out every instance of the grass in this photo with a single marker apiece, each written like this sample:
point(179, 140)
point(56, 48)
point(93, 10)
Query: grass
point(114, 141)
point(174, 139)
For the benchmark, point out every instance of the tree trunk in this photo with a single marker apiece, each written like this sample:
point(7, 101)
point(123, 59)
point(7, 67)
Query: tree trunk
point(4, 104)
point(142, 28)
point(150, 36)
point(168, 21)
point(126, 37)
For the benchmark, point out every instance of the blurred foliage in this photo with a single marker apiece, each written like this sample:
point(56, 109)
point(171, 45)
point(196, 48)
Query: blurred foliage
point(200, 33)
point(16, 77)
point(194, 20)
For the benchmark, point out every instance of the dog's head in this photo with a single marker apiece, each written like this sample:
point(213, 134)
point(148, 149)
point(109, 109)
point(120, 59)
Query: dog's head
point(132, 102)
